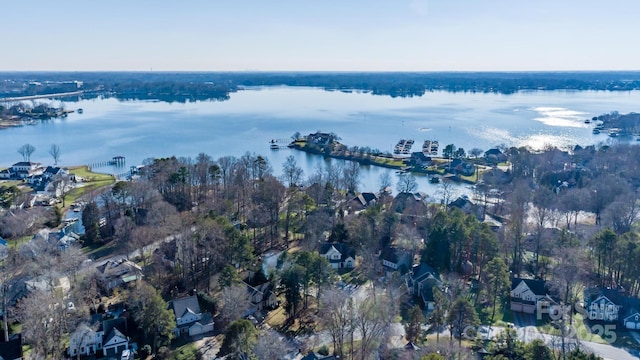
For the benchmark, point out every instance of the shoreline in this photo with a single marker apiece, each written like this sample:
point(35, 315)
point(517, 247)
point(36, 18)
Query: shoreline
point(398, 163)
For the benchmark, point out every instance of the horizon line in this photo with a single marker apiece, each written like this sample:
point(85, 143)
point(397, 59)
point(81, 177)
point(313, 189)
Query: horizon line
point(324, 71)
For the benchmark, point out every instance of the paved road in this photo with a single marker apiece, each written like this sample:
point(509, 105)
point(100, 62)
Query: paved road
point(530, 333)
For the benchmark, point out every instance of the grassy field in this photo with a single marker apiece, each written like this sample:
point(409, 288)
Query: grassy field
point(92, 182)
point(187, 351)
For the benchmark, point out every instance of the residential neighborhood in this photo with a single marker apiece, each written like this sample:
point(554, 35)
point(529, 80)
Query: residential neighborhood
point(288, 269)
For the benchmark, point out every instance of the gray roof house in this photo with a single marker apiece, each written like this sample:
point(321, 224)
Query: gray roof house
point(190, 320)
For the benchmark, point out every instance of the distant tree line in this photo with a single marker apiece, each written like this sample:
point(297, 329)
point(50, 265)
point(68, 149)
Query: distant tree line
point(183, 87)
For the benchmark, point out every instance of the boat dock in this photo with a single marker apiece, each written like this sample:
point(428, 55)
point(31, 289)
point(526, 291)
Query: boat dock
point(403, 147)
point(430, 147)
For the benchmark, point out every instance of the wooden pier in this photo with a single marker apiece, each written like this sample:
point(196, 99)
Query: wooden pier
point(117, 161)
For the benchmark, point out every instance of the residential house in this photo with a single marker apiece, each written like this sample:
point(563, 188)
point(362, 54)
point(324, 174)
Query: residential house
point(611, 305)
point(114, 340)
point(632, 320)
point(526, 294)
point(320, 138)
point(363, 201)
point(262, 297)
point(420, 160)
point(86, 339)
point(603, 304)
point(52, 171)
point(25, 169)
point(48, 284)
point(5, 174)
point(414, 203)
point(339, 255)
point(468, 207)
point(12, 349)
point(117, 273)
point(190, 320)
point(458, 166)
point(420, 282)
point(494, 156)
point(395, 259)
point(106, 336)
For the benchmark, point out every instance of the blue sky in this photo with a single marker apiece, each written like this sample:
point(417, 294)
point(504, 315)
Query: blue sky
point(327, 35)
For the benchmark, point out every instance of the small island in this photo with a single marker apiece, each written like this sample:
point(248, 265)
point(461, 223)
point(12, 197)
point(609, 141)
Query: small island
point(24, 114)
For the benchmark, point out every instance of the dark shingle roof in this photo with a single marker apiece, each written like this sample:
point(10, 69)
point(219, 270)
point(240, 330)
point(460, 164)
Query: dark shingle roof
point(343, 249)
point(421, 271)
point(612, 294)
point(184, 305)
point(538, 287)
point(114, 327)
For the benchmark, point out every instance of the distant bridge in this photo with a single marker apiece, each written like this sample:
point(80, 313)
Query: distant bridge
point(44, 96)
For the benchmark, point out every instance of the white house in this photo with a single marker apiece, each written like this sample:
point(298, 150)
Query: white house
point(24, 169)
point(189, 319)
point(604, 309)
point(114, 338)
point(394, 259)
point(262, 296)
point(632, 322)
point(603, 304)
point(108, 337)
point(339, 255)
point(526, 293)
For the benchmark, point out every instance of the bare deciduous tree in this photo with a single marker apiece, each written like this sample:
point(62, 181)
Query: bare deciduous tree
point(271, 346)
point(26, 150)
point(234, 303)
point(337, 315)
point(55, 153)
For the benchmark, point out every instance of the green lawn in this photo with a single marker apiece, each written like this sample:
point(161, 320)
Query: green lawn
point(83, 172)
point(186, 352)
point(93, 181)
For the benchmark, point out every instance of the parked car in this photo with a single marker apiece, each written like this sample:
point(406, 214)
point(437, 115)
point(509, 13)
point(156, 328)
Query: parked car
point(126, 354)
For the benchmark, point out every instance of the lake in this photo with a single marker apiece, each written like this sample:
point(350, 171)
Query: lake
point(254, 116)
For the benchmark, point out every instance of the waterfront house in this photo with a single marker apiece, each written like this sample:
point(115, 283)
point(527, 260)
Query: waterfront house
point(494, 156)
point(527, 294)
point(420, 160)
point(25, 169)
point(420, 282)
point(190, 320)
point(5, 174)
point(320, 138)
point(339, 255)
